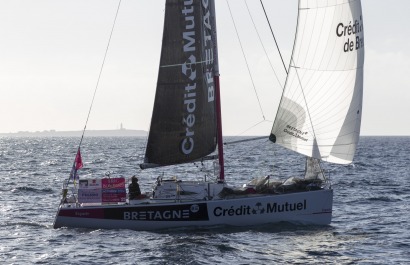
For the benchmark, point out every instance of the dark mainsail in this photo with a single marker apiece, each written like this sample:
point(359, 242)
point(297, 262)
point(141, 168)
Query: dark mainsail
point(183, 124)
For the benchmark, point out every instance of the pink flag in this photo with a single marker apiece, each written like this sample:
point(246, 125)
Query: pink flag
point(78, 160)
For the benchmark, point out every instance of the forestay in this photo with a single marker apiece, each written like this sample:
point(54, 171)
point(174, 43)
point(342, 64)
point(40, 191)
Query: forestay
point(320, 111)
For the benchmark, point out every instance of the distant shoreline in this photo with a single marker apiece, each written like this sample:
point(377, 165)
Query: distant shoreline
point(89, 133)
point(119, 133)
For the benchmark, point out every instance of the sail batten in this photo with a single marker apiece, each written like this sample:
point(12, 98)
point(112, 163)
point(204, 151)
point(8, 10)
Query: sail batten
point(320, 111)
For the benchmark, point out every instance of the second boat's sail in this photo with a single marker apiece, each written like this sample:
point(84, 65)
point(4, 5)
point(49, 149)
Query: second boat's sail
point(183, 125)
point(320, 111)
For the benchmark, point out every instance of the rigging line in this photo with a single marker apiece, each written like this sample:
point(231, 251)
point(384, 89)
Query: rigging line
point(304, 99)
point(253, 126)
point(302, 91)
point(246, 61)
point(98, 82)
point(247, 140)
point(263, 46)
point(271, 30)
point(101, 69)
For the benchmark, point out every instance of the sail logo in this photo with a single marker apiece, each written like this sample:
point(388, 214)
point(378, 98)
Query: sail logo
point(188, 69)
point(208, 52)
point(349, 30)
point(258, 209)
point(197, 43)
point(295, 132)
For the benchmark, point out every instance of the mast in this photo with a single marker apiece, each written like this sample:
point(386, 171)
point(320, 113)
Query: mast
point(217, 94)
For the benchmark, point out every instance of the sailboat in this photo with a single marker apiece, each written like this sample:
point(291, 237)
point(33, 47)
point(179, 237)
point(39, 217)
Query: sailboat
point(319, 116)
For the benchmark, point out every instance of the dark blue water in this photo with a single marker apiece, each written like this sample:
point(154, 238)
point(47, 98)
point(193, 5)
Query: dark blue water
point(370, 214)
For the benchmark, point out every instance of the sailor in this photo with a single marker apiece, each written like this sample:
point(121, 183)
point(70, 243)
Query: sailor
point(134, 189)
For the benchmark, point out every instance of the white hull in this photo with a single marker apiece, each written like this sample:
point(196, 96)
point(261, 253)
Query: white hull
point(309, 207)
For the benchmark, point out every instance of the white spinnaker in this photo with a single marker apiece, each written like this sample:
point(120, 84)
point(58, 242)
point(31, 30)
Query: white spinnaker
point(321, 106)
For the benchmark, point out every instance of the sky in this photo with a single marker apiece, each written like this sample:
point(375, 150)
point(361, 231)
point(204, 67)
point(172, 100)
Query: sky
point(51, 52)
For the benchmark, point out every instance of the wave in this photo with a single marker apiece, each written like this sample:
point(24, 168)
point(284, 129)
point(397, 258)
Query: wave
point(384, 199)
point(30, 224)
point(26, 189)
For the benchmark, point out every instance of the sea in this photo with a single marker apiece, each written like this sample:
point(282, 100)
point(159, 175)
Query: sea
point(370, 222)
